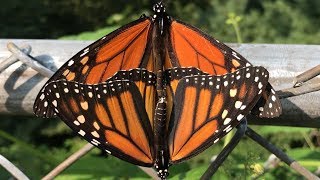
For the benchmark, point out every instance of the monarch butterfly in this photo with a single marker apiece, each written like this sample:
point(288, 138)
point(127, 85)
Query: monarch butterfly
point(156, 92)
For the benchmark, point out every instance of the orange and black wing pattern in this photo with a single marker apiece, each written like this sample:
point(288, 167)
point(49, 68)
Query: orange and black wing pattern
point(109, 115)
point(156, 91)
point(126, 48)
point(207, 107)
point(269, 105)
point(190, 47)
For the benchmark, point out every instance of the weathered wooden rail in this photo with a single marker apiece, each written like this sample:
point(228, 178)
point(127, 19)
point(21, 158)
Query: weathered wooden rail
point(20, 84)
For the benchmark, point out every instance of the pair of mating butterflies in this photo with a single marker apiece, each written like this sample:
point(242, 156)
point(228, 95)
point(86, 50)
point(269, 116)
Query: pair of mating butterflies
point(156, 91)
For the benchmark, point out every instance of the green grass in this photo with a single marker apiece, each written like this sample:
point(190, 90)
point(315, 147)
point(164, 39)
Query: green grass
point(237, 166)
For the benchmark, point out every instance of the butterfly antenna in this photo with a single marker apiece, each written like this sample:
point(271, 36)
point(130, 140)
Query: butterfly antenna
point(161, 2)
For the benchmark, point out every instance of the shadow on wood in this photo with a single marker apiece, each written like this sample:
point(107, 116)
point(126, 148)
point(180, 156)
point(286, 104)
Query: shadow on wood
point(20, 84)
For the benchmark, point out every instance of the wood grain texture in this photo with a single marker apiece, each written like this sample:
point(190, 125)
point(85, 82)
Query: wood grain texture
point(20, 84)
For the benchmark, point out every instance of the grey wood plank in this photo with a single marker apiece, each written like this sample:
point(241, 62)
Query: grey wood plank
point(20, 84)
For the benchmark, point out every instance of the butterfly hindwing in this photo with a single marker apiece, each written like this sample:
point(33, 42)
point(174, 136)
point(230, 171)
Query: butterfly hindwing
point(269, 104)
point(146, 82)
point(206, 107)
point(109, 115)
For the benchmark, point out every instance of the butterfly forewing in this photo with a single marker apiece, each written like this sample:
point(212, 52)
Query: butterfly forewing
point(201, 50)
point(126, 48)
point(190, 47)
point(208, 107)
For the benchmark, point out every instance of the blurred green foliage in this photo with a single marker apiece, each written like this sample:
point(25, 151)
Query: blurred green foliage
point(268, 21)
point(37, 145)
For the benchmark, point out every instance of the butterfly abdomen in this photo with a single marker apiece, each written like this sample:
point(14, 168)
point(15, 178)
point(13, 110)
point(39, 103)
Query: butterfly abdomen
point(161, 146)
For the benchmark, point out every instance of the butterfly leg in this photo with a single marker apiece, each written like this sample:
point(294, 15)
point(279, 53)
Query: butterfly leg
point(280, 154)
point(242, 127)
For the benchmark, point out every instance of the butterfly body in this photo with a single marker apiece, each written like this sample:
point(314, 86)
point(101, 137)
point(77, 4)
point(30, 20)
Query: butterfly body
point(156, 92)
point(161, 163)
point(160, 135)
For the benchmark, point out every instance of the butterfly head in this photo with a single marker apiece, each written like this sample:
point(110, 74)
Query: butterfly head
point(159, 8)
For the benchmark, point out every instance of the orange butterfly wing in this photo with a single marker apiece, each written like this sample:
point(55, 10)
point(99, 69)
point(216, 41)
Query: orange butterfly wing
point(127, 114)
point(109, 115)
point(207, 107)
point(190, 47)
point(126, 48)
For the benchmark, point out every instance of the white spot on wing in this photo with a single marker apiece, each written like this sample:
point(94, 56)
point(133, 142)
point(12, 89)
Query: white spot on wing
point(76, 123)
point(239, 117)
point(226, 121)
point(42, 97)
point(81, 119)
point(84, 52)
point(70, 62)
point(270, 105)
point(84, 105)
point(243, 107)
point(81, 132)
point(95, 134)
point(224, 114)
point(235, 55)
point(233, 92)
point(96, 125)
point(54, 102)
point(95, 141)
point(229, 129)
point(237, 104)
